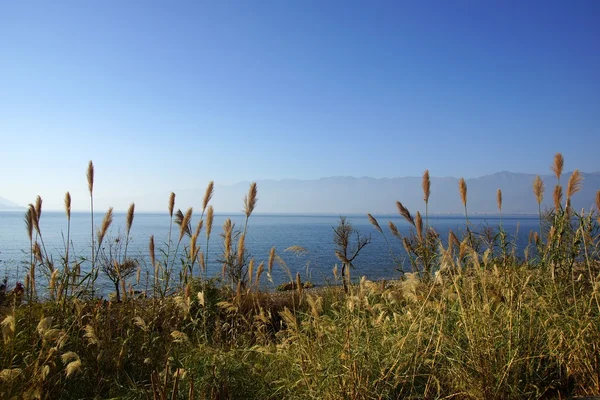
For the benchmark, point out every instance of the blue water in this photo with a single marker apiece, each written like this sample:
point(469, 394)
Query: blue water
point(312, 232)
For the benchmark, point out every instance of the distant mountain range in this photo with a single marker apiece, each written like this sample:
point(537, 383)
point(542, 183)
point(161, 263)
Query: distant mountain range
point(348, 195)
point(7, 205)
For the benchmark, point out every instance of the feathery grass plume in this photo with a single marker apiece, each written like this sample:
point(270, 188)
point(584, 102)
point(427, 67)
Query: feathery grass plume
point(90, 177)
point(405, 213)
point(138, 275)
point(90, 180)
point(259, 272)
point(426, 185)
point(8, 328)
point(335, 271)
point(202, 261)
point(407, 245)
point(462, 187)
point(34, 219)
point(184, 224)
point(73, 363)
point(499, 200)
point(240, 250)
point(90, 334)
point(227, 231)
point(557, 197)
point(10, 374)
point(129, 219)
point(394, 229)
point(179, 217)
point(52, 282)
point(419, 226)
point(210, 214)
point(374, 222)
point(28, 218)
point(38, 208)
point(152, 253)
point(538, 189)
point(171, 204)
point(37, 252)
point(574, 185)
point(250, 271)
point(452, 239)
point(68, 204)
point(208, 195)
point(199, 227)
point(179, 337)
point(297, 250)
point(193, 248)
point(250, 199)
point(557, 166)
point(271, 260)
point(44, 325)
point(106, 222)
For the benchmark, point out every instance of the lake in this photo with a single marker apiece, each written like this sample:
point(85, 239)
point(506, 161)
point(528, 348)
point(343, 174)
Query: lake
point(312, 232)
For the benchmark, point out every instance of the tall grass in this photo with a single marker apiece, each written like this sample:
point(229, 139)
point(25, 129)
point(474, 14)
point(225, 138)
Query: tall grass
point(472, 320)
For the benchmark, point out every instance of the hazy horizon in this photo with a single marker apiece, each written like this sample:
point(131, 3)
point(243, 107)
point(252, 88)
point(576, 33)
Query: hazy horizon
point(347, 195)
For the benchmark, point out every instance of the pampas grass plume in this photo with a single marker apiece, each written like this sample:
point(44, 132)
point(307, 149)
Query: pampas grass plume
point(557, 165)
point(426, 185)
point(374, 222)
point(90, 177)
point(208, 195)
point(462, 186)
point(538, 189)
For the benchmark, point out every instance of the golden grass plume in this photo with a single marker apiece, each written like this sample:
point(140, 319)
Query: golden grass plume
point(129, 219)
point(208, 195)
point(68, 205)
point(38, 208)
point(462, 187)
point(227, 232)
point(271, 260)
point(241, 249)
point(419, 226)
point(558, 165)
point(374, 222)
point(171, 204)
point(29, 223)
point(184, 224)
point(403, 211)
point(199, 227)
point(106, 222)
point(426, 185)
point(90, 177)
point(574, 185)
point(394, 229)
point(499, 199)
point(538, 189)
point(250, 199)
point(35, 222)
point(210, 214)
point(557, 196)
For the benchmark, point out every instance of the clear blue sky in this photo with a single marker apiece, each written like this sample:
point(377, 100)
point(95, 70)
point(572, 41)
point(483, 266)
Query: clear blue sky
point(168, 95)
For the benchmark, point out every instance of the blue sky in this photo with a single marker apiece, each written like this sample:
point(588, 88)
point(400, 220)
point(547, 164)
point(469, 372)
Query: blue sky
point(169, 95)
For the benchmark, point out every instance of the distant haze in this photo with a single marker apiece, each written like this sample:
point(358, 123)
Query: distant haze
point(349, 195)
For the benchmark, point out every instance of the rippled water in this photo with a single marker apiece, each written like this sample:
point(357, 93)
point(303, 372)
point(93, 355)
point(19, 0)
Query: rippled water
point(312, 232)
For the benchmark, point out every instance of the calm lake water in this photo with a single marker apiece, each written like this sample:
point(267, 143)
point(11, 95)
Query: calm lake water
point(312, 232)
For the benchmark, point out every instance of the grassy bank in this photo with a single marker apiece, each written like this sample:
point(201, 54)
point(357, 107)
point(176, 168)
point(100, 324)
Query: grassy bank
point(471, 320)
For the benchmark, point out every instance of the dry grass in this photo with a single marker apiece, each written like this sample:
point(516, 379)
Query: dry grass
point(471, 322)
